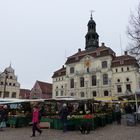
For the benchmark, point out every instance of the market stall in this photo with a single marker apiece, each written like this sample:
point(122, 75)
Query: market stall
point(100, 113)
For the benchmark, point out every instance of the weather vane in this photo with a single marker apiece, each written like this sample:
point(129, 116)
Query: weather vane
point(91, 11)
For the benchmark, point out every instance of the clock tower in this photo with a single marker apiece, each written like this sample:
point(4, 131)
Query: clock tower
point(92, 38)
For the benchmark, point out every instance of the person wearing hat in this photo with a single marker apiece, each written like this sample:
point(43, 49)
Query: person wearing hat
point(64, 112)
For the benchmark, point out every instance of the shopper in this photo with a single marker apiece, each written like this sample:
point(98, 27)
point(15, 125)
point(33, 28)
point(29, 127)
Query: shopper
point(35, 121)
point(63, 116)
point(118, 113)
point(3, 117)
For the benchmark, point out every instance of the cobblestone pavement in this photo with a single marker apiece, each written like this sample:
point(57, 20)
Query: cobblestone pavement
point(109, 132)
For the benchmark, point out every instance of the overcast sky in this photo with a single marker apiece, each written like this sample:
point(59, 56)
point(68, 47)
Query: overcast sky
point(36, 36)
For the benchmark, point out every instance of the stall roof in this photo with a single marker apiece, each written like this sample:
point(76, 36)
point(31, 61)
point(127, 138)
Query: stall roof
point(14, 100)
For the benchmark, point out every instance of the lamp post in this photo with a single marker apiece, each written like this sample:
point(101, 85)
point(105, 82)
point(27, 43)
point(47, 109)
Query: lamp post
point(5, 82)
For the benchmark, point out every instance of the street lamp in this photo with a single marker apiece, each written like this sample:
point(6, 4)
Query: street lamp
point(5, 82)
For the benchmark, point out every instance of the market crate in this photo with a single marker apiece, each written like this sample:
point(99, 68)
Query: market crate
point(102, 120)
point(12, 121)
point(95, 123)
point(50, 120)
point(57, 124)
point(108, 118)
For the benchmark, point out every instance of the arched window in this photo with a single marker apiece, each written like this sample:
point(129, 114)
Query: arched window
point(72, 70)
point(104, 64)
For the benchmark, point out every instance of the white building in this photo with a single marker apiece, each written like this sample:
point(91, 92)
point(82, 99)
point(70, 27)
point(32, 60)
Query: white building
point(9, 86)
point(96, 71)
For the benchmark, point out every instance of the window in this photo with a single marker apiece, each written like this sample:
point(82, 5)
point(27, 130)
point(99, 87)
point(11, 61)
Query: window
point(127, 79)
point(118, 80)
point(14, 84)
point(81, 81)
point(119, 88)
point(116, 70)
point(10, 84)
point(71, 83)
point(105, 93)
point(72, 94)
point(94, 80)
point(72, 70)
point(0, 94)
point(1, 83)
point(128, 87)
point(105, 79)
point(87, 70)
point(82, 94)
point(56, 93)
point(6, 94)
point(11, 77)
point(94, 94)
point(104, 64)
point(61, 86)
point(127, 68)
point(61, 92)
point(14, 95)
point(122, 69)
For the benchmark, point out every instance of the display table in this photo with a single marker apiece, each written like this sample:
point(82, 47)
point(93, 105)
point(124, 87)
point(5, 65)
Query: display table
point(99, 120)
point(18, 121)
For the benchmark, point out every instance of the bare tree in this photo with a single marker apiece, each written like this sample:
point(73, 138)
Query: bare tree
point(133, 32)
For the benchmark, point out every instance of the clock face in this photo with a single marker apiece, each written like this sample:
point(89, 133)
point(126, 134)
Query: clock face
point(87, 63)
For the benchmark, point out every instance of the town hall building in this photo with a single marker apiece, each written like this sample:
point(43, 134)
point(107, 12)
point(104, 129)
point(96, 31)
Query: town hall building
point(96, 72)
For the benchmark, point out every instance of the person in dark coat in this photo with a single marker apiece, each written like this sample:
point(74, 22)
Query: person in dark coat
point(64, 112)
point(118, 113)
point(3, 117)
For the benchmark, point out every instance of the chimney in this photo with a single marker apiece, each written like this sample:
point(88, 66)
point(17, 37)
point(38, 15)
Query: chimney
point(103, 44)
point(79, 50)
point(125, 52)
point(63, 66)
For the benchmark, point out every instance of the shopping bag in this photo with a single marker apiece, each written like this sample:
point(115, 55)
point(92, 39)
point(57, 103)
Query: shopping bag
point(3, 124)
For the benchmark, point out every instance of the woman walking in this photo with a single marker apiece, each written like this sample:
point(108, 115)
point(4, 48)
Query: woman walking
point(35, 121)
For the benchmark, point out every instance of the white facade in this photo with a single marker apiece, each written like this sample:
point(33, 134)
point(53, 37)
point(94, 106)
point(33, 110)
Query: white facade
point(9, 86)
point(118, 78)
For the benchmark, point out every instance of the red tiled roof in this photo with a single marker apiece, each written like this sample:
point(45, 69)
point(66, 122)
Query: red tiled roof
point(124, 60)
point(60, 72)
point(45, 87)
point(99, 52)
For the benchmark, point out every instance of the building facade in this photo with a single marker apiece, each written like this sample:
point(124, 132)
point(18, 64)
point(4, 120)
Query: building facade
point(96, 71)
point(41, 90)
point(24, 94)
point(9, 86)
